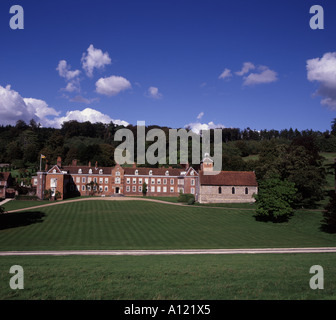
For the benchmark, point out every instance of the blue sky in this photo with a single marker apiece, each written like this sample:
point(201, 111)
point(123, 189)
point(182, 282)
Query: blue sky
point(161, 62)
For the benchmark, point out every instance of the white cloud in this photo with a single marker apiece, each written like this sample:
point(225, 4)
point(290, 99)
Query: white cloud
point(87, 114)
point(13, 108)
point(154, 93)
point(94, 59)
point(200, 116)
point(111, 86)
point(323, 70)
point(197, 126)
point(247, 66)
point(225, 74)
point(64, 71)
point(266, 75)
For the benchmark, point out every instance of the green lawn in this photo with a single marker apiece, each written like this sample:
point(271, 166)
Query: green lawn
point(210, 277)
point(148, 225)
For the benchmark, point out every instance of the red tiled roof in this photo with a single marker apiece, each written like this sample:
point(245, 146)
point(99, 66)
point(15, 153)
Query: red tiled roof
point(85, 169)
point(4, 176)
point(155, 171)
point(229, 178)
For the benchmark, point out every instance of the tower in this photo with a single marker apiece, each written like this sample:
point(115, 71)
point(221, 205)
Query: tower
point(207, 163)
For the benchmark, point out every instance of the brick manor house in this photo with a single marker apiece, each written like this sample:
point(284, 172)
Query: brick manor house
point(207, 186)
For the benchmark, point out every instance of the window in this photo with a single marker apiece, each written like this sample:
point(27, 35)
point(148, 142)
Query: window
point(164, 189)
point(167, 173)
point(172, 189)
point(106, 188)
point(95, 180)
point(192, 190)
point(54, 171)
point(78, 180)
point(136, 172)
point(83, 180)
point(128, 188)
point(89, 180)
point(80, 171)
point(35, 182)
point(117, 180)
point(192, 182)
point(233, 190)
point(220, 190)
point(171, 181)
point(83, 188)
point(192, 172)
point(246, 191)
point(90, 171)
point(134, 180)
point(146, 180)
point(158, 181)
point(140, 189)
point(150, 172)
point(134, 189)
point(101, 188)
point(117, 174)
point(158, 189)
point(140, 180)
point(101, 171)
point(106, 180)
point(152, 189)
point(101, 180)
point(164, 181)
point(153, 181)
point(128, 180)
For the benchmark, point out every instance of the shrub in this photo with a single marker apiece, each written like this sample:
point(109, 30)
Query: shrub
point(185, 197)
point(25, 197)
point(191, 201)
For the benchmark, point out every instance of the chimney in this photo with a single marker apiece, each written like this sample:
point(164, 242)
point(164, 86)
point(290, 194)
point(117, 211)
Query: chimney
point(59, 162)
point(74, 163)
point(134, 165)
point(46, 166)
point(90, 164)
point(96, 165)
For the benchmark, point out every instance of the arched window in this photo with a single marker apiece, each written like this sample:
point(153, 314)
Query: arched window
point(150, 172)
point(233, 190)
point(101, 171)
point(246, 191)
point(167, 173)
point(220, 190)
point(136, 172)
point(118, 174)
point(80, 171)
point(90, 171)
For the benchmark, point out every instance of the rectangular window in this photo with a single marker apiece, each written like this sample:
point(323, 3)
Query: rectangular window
point(128, 188)
point(171, 181)
point(153, 181)
point(78, 180)
point(83, 188)
point(100, 188)
point(158, 189)
point(134, 180)
point(101, 180)
point(95, 180)
point(89, 180)
point(192, 190)
point(158, 181)
point(164, 189)
point(128, 180)
point(134, 189)
point(83, 180)
point(140, 180)
point(152, 189)
point(146, 180)
point(117, 180)
point(106, 188)
point(106, 180)
point(140, 189)
point(164, 181)
point(172, 189)
point(192, 182)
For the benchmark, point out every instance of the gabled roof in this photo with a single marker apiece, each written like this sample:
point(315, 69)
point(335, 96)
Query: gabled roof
point(55, 167)
point(229, 178)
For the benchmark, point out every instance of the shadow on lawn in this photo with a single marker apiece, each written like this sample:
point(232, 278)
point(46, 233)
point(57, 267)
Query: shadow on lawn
point(20, 219)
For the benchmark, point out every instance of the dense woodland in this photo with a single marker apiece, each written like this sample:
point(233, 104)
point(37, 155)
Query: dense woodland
point(288, 154)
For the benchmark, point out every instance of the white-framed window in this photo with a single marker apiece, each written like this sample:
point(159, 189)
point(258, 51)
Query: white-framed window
point(133, 188)
point(140, 180)
point(95, 180)
point(117, 180)
point(192, 172)
point(53, 183)
point(101, 180)
point(152, 189)
point(128, 188)
point(192, 182)
point(172, 189)
point(80, 171)
point(134, 180)
point(167, 173)
point(77, 179)
point(158, 181)
point(90, 171)
point(89, 180)
point(128, 180)
point(106, 180)
point(117, 174)
point(153, 181)
point(101, 171)
point(83, 188)
point(136, 172)
point(83, 180)
point(146, 180)
point(101, 188)
point(158, 189)
point(35, 182)
point(150, 172)
point(106, 188)
point(192, 190)
point(140, 188)
point(164, 181)
point(164, 189)
point(54, 171)
point(171, 181)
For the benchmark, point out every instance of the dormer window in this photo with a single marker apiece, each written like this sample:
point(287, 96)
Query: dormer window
point(192, 172)
point(101, 171)
point(150, 172)
point(118, 174)
point(90, 171)
point(54, 171)
point(136, 172)
point(80, 171)
point(167, 173)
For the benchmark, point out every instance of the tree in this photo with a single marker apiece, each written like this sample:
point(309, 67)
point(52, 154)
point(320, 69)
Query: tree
point(274, 200)
point(2, 210)
point(47, 194)
point(329, 216)
point(144, 189)
point(93, 187)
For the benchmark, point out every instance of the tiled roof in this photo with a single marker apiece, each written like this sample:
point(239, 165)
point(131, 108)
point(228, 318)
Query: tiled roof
point(85, 169)
point(229, 178)
point(155, 171)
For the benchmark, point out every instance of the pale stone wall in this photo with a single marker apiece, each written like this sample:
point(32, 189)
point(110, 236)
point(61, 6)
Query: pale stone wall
point(210, 194)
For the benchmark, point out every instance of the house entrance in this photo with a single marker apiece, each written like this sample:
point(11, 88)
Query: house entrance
point(117, 190)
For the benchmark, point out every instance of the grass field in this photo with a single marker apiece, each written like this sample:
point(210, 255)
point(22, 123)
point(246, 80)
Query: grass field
point(193, 277)
point(106, 225)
